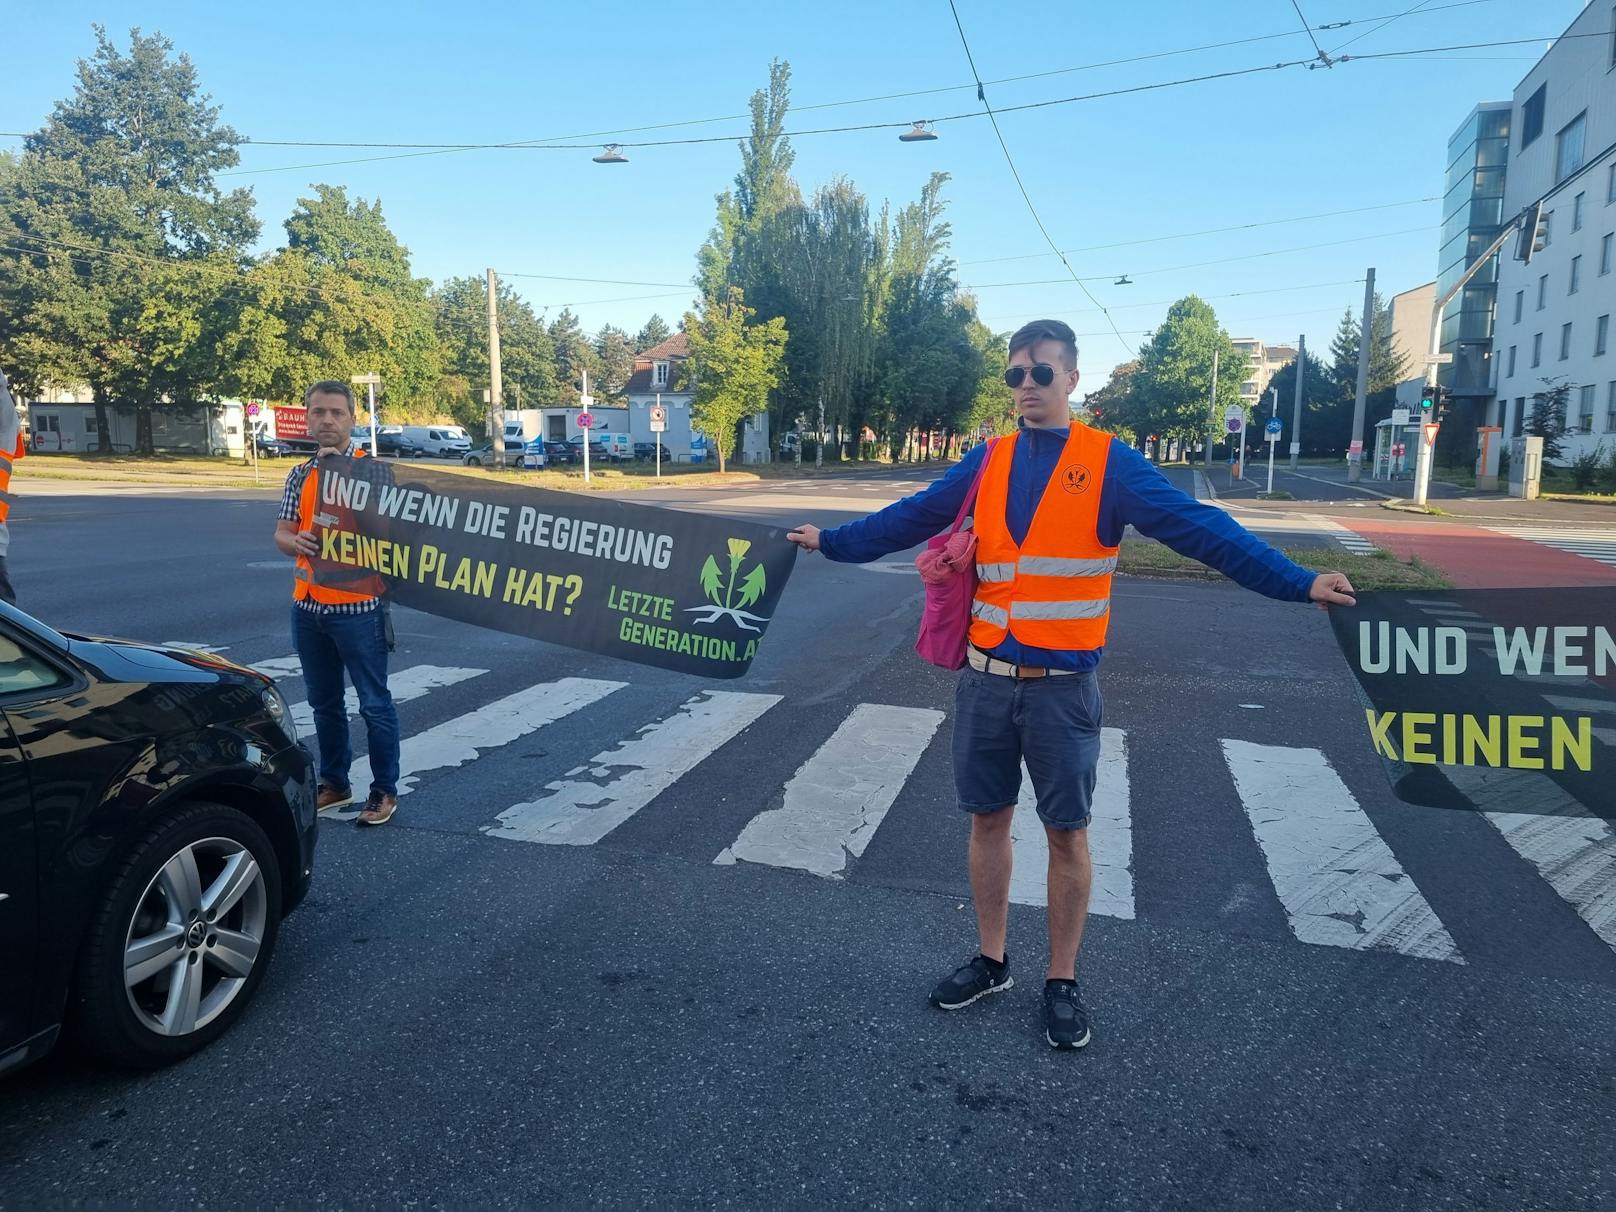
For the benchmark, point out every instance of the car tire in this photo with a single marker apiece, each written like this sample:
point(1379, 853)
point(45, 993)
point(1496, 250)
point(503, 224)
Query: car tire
point(162, 891)
point(473, 461)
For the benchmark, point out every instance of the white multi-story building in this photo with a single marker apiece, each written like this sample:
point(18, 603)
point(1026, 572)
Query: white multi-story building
point(1555, 313)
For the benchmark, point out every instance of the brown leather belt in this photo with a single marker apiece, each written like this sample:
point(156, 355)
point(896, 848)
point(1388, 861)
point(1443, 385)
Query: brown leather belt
point(979, 660)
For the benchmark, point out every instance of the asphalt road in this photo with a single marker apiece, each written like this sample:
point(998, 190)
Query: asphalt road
point(457, 1017)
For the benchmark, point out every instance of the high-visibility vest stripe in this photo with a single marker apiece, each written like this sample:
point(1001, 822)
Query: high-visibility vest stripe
point(1057, 566)
point(995, 572)
point(1060, 610)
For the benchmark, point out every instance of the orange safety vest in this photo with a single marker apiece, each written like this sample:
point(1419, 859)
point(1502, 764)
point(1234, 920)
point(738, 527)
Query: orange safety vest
point(1054, 590)
point(304, 586)
point(7, 458)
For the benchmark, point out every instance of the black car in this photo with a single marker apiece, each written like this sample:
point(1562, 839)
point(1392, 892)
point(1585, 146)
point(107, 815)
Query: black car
point(291, 448)
point(563, 453)
point(647, 451)
point(157, 820)
point(393, 442)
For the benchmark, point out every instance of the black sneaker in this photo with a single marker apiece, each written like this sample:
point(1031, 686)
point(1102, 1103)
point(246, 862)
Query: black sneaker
point(974, 979)
point(1066, 1023)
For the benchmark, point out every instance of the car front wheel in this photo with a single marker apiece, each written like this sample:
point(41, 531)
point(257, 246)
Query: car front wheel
point(181, 941)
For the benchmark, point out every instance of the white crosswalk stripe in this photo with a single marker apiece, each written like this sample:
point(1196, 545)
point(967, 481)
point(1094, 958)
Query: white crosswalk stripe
point(619, 782)
point(1110, 837)
point(1350, 539)
point(1339, 882)
point(837, 800)
point(279, 667)
point(1574, 851)
point(1593, 543)
point(464, 738)
point(412, 682)
point(1336, 878)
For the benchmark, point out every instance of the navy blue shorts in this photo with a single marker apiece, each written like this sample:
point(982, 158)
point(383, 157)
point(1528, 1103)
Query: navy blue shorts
point(1051, 723)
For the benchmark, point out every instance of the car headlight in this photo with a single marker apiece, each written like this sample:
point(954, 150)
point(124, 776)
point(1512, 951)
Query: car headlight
point(275, 703)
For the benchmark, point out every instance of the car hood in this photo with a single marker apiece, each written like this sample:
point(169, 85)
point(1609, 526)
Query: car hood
point(131, 661)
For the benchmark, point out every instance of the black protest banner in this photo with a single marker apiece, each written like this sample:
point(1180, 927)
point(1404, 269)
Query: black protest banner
point(678, 590)
point(1500, 700)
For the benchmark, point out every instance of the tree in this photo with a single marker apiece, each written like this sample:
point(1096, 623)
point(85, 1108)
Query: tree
point(1109, 405)
point(1548, 419)
point(1170, 394)
point(133, 250)
point(734, 365)
point(1322, 426)
point(357, 308)
point(614, 360)
point(1330, 429)
point(653, 334)
point(574, 355)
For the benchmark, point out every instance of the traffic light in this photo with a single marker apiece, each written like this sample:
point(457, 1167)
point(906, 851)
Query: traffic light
point(1428, 399)
point(1533, 236)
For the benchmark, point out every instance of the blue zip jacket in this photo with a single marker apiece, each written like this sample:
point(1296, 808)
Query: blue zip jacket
point(1133, 493)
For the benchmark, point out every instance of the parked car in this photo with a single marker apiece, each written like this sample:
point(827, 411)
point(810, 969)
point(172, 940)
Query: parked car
point(157, 821)
point(562, 453)
point(276, 448)
point(483, 456)
point(645, 452)
point(604, 447)
point(444, 441)
point(391, 439)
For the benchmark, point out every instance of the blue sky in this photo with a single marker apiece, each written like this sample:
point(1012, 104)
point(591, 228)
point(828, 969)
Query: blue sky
point(1122, 169)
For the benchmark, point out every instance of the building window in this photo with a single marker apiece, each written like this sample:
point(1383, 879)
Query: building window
point(1520, 298)
point(1510, 374)
point(89, 423)
point(1610, 191)
point(1576, 213)
point(1576, 275)
point(1520, 417)
point(659, 374)
point(1532, 116)
point(1542, 291)
point(1601, 335)
point(1568, 147)
point(1585, 408)
point(1565, 341)
point(1610, 407)
point(1537, 349)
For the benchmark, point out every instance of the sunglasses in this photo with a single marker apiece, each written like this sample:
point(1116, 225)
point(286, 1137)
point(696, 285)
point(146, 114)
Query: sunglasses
point(1017, 375)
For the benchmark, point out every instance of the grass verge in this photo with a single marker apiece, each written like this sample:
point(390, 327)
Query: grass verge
point(1382, 570)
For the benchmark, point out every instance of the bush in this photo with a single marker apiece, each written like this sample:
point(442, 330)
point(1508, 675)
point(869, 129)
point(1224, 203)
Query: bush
point(1586, 467)
point(1609, 470)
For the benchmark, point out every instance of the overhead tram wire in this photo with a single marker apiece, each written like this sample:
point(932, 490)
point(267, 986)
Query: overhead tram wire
point(981, 95)
point(1210, 231)
point(1383, 24)
point(921, 92)
point(906, 124)
point(1323, 58)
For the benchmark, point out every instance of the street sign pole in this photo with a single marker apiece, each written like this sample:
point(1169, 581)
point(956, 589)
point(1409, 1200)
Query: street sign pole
point(370, 382)
point(1273, 438)
point(659, 425)
point(584, 420)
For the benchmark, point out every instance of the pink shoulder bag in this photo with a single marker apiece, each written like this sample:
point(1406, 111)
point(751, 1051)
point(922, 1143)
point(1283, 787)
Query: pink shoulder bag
point(948, 567)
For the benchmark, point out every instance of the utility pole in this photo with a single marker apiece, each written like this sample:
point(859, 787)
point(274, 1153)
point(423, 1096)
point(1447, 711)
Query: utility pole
point(1366, 338)
point(1296, 409)
point(496, 388)
point(819, 447)
point(1212, 430)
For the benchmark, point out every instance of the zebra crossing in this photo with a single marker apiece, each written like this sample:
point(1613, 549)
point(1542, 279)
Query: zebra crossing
point(1593, 543)
point(1337, 879)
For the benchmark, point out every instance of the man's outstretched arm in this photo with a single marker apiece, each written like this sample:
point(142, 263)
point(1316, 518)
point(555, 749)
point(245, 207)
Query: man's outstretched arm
point(901, 524)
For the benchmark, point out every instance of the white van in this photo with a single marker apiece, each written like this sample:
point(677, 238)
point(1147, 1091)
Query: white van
point(441, 441)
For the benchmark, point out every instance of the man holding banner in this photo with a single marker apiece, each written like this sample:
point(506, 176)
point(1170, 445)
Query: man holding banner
point(1052, 503)
point(338, 628)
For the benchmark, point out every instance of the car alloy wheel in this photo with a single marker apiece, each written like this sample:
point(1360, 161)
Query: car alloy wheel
point(195, 937)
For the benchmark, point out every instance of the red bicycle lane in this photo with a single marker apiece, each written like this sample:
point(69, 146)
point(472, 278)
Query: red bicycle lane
point(1474, 558)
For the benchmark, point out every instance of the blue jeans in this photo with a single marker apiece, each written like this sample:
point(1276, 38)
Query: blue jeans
point(326, 645)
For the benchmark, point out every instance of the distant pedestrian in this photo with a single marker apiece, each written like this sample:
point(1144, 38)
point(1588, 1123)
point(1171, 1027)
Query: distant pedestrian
point(1053, 503)
point(337, 630)
point(13, 445)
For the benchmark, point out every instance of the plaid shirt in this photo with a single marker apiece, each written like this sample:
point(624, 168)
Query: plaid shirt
point(292, 511)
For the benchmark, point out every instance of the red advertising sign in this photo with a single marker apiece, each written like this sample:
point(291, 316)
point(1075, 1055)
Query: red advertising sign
point(291, 421)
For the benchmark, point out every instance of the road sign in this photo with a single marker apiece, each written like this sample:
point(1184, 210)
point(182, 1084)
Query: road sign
point(586, 401)
point(659, 427)
point(1275, 426)
point(1355, 446)
point(1296, 448)
point(658, 413)
point(252, 409)
point(1438, 359)
point(1399, 416)
point(363, 380)
point(585, 420)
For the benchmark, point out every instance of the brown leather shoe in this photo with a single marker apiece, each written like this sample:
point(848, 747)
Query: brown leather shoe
point(379, 809)
point(332, 798)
